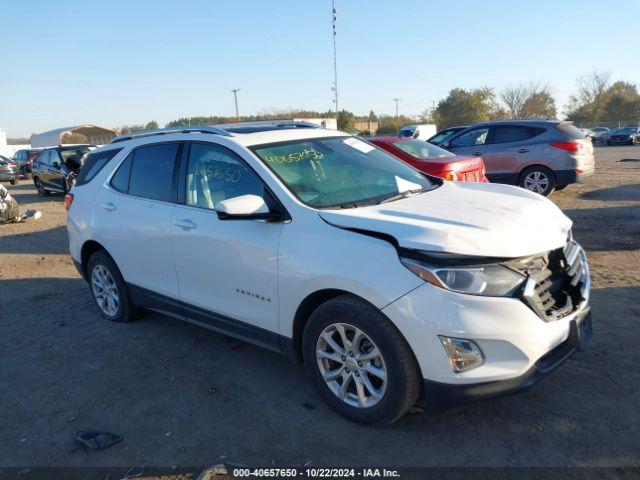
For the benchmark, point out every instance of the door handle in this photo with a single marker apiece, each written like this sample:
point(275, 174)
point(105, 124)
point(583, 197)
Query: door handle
point(523, 150)
point(477, 154)
point(185, 224)
point(110, 207)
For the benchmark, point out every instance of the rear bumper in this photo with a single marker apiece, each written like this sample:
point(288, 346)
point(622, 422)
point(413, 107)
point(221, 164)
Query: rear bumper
point(441, 396)
point(565, 177)
point(5, 177)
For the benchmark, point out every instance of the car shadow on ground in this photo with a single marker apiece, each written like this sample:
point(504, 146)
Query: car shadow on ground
point(621, 193)
point(622, 235)
point(51, 241)
point(26, 194)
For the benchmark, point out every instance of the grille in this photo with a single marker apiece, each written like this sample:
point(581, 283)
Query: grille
point(554, 288)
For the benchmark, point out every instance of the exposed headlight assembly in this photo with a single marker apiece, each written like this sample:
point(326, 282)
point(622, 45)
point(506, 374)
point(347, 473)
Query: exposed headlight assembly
point(490, 280)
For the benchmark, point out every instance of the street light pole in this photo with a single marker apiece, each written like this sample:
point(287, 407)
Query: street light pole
point(397, 100)
point(235, 99)
point(335, 61)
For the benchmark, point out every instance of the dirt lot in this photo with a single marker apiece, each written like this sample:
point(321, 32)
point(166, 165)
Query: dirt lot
point(180, 395)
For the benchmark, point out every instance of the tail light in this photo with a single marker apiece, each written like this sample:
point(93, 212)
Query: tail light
point(568, 146)
point(451, 175)
point(13, 164)
point(68, 200)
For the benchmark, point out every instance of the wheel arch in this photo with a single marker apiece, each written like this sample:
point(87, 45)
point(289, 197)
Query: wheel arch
point(89, 248)
point(531, 165)
point(304, 311)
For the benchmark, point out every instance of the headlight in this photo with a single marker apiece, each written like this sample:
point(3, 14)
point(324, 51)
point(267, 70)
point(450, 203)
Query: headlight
point(491, 280)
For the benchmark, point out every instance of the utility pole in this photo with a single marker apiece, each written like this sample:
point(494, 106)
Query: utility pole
point(335, 61)
point(235, 99)
point(397, 100)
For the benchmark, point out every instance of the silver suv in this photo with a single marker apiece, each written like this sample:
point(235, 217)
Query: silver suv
point(539, 155)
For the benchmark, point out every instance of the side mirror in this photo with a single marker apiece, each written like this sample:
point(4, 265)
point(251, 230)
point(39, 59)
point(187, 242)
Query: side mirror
point(246, 207)
point(56, 165)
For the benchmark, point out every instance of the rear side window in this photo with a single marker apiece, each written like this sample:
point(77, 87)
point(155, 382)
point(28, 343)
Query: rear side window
point(152, 171)
point(93, 164)
point(515, 133)
point(120, 181)
point(571, 130)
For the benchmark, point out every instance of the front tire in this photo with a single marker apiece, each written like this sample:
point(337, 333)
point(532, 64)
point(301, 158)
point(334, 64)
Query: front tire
point(41, 190)
point(538, 179)
point(359, 362)
point(109, 289)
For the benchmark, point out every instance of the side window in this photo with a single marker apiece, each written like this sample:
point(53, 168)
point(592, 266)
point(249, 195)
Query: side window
point(54, 157)
point(120, 181)
point(44, 158)
point(477, 136)
point(93, 164)
point(215, 174)
point(152, 171)
point(507, 134)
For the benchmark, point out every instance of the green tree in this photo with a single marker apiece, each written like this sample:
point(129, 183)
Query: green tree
point(152, 125)
point(346, 121)
point(466, 107)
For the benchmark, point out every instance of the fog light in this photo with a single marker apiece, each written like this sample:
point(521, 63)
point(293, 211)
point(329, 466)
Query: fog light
point(464, 354)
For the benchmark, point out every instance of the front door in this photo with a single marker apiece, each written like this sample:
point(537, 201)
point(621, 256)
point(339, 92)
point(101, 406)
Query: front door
point(470, 143)
point(227, 269)
point(509, 148)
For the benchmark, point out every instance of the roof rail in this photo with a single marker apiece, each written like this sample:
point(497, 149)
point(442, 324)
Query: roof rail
point(170, 130)
point(265, 125)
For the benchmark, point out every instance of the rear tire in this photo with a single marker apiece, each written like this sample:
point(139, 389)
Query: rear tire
point(109, 289)
point(375, 362)
point(538, 179)
point(13, 182)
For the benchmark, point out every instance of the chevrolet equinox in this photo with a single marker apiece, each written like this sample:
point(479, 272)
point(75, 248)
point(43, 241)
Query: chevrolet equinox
point(392, 286)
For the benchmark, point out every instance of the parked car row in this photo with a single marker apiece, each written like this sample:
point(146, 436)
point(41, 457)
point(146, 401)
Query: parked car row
point(539, 155)
point(620, 136)
point(55, 169)
point(391, 285)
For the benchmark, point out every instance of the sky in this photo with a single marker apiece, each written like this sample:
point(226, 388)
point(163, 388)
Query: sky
point(117, 63)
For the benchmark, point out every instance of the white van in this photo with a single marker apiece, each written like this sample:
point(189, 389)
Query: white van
point(422, 132)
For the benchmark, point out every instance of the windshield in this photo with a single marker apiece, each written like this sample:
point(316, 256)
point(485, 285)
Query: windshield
point(341, 172)
point(422, 150)
point(626, 130)
point(407, 132)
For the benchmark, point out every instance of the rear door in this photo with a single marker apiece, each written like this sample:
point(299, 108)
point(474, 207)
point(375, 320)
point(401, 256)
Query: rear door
point(508, 150)
point(472, 142)
point(133, 213)
point(43, 168)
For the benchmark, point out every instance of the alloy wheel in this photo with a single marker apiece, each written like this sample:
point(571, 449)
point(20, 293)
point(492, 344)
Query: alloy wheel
point(536, 182)
point(105, 290)
point(351, 365)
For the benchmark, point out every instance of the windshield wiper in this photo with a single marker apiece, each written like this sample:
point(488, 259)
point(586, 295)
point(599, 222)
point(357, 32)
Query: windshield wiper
point(400, 196)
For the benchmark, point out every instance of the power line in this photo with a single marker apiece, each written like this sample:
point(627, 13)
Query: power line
point(235, 99)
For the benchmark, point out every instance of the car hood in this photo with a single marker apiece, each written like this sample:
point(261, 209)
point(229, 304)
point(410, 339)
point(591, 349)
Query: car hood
point(477, 219)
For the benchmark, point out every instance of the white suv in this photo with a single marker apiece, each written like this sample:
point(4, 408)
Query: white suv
point(392, 287)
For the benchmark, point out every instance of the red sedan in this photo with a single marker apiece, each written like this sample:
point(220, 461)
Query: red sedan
point(433, 160)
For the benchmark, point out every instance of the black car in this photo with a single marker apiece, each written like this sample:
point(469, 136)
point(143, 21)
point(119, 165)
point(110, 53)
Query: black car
point(24, 159)
point(55, 169)
point(444, 135)
point(624, 136)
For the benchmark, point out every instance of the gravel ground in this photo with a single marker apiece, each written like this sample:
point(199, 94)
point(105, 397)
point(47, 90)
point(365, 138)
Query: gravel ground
point(180, 395)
